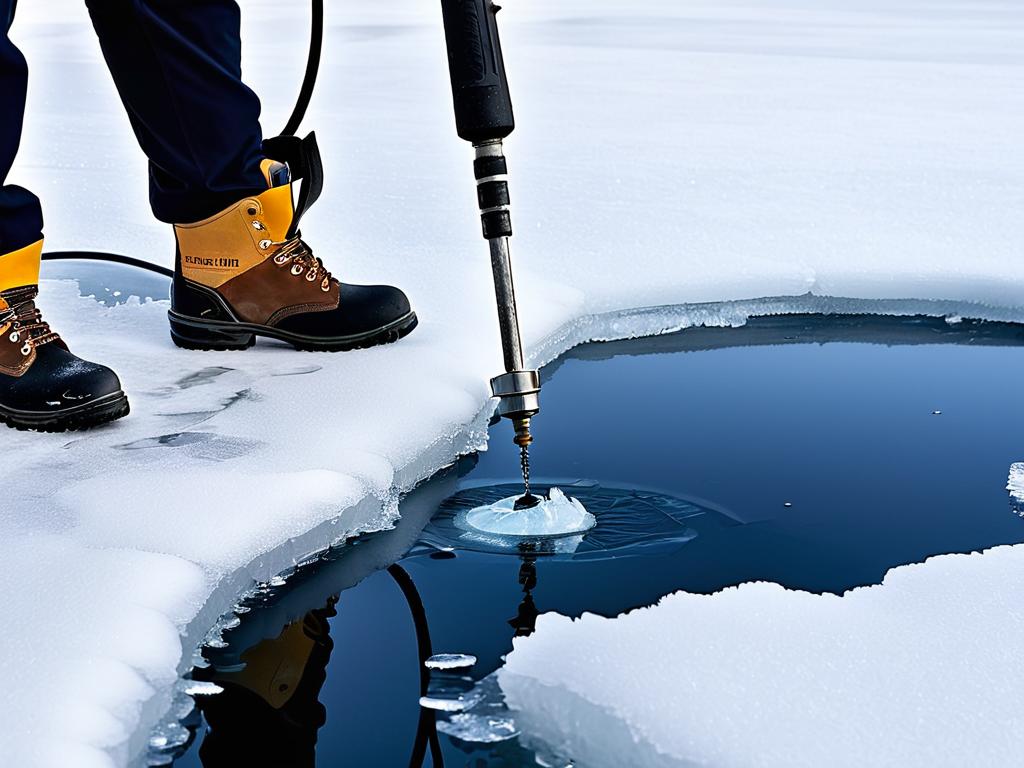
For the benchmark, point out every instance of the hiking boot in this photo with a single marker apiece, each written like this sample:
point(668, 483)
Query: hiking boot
point(246, 272)
point(43, 386)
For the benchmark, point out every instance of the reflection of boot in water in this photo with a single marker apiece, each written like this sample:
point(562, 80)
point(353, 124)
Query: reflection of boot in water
point(269, 713)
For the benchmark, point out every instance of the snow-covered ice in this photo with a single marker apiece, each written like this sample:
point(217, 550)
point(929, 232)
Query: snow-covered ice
point(923, 670)
point(676, 163)
point(556, 515)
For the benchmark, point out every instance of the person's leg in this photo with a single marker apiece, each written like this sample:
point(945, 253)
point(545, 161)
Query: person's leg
point(43, 386)
point(241, 269)
point(21, 220)
point(177, 67)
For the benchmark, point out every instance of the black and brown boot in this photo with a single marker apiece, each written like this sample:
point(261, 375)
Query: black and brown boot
point(246, 272)
point(43, 386)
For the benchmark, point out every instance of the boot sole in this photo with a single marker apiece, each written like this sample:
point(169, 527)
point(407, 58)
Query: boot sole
point(207, 335)
point(102, 411)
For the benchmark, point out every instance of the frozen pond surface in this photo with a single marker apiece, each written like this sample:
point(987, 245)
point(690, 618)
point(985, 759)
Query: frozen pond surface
point(676, 164)
point(796, 450)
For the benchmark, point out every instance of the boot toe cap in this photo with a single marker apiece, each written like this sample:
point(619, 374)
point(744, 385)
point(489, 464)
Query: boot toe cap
point(59, 379)
point(369, 307)
point(362, 310)
point(93, 379)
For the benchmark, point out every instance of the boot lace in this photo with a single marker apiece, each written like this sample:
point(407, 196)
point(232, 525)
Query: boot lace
point(296, 252)
point(26, 321)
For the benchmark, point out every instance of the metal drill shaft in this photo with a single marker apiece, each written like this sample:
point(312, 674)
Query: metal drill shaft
point(505, 293)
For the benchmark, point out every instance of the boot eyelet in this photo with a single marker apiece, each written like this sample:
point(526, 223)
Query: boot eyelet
point(264, 244)
point(15, 338)
point(325, 286)
point(252, 210)
point(311, 276)
point(27, 349)
point(258, 225)
point(296, 270)
point(281, 259)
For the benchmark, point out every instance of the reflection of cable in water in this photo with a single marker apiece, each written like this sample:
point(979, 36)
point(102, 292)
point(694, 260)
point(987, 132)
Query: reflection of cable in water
point(278, 689)
point(426, 732)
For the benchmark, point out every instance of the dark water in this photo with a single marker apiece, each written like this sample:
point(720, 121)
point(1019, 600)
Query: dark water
point(809, 453)
point(108, 283)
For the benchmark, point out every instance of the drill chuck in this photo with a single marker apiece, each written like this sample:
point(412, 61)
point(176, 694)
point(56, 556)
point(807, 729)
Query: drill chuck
point(518, 394)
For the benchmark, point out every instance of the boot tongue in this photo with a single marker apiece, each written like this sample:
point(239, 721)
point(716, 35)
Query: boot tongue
point(275, 173)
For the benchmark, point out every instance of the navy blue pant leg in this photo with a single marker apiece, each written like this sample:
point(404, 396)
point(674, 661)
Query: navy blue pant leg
point(177, 67)
point(21, 220)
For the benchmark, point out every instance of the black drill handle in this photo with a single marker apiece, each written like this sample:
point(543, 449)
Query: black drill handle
point(483, 105)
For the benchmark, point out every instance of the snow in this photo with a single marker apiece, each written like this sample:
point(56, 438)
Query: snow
point(922, 670)
point(676, 163)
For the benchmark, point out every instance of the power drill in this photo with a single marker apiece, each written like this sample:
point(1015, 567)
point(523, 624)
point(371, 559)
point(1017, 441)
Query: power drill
point(483, 116)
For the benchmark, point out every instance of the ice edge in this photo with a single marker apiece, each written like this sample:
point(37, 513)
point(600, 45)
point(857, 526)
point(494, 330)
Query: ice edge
point(369, 514)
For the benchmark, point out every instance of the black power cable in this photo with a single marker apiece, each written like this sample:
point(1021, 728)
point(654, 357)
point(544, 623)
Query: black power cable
point(115, 258)
point(316, 44)
point(426, 731)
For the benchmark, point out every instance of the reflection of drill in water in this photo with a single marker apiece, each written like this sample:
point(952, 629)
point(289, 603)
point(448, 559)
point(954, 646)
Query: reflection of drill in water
point(269, 713)
point(525, 622)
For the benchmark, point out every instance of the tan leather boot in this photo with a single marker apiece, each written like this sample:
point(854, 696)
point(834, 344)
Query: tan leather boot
point(246, 272)
point(43, 386)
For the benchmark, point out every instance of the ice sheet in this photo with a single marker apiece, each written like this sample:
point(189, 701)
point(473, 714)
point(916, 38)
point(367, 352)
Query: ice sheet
point(675, 163)
point(922, 670)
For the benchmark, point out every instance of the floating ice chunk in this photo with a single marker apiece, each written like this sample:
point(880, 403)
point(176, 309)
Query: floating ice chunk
point(490, 722)
point(454, 703)
point(199, 661)
point(558, 515)
point(168, 736)
point(200, 688)
point(450, 661)
point(479, 729)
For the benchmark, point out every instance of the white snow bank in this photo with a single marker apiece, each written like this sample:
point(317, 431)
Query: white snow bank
point(669, 153)
point(922, 670)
